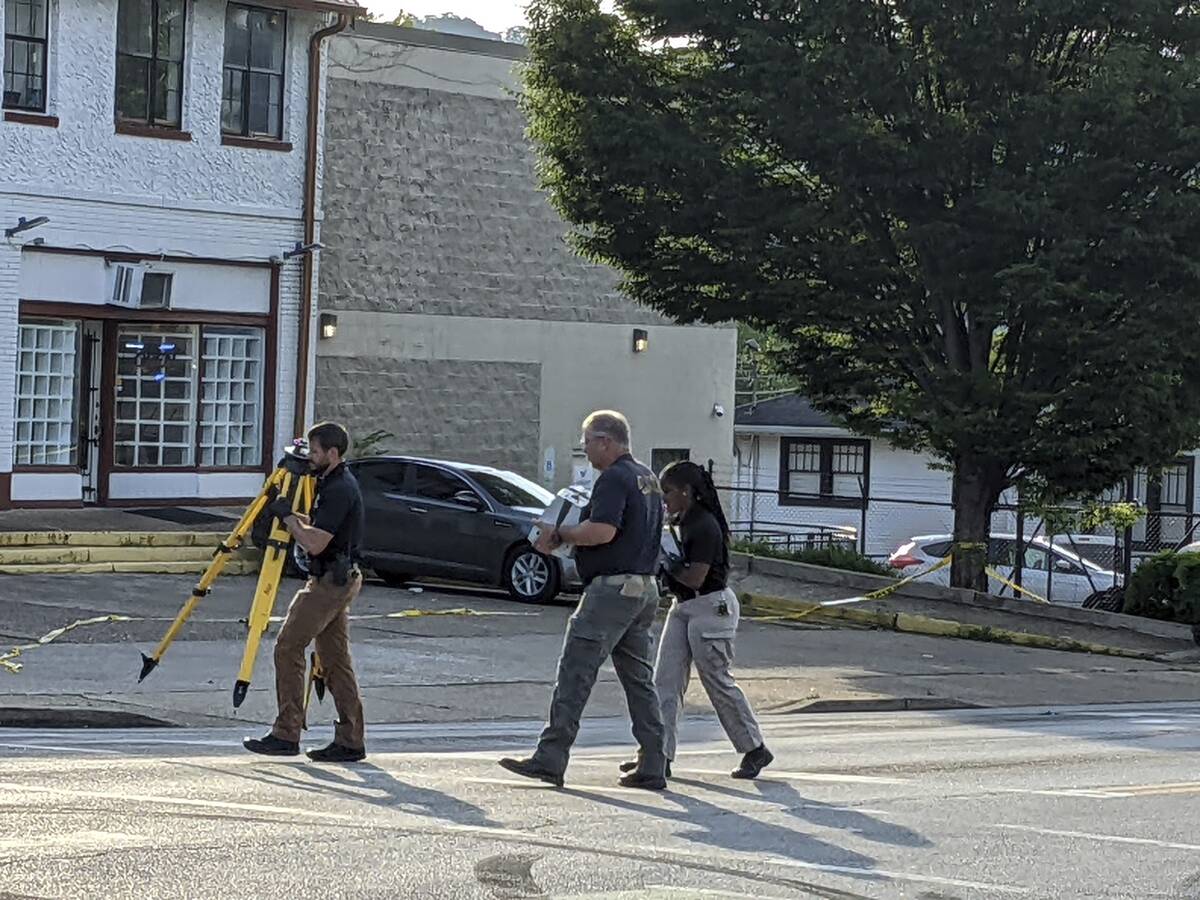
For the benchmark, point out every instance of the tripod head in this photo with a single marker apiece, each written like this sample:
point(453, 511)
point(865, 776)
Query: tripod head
point(296, 459)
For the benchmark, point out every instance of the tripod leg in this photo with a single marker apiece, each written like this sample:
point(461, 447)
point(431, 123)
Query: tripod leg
point(220, 557)
point(274, 558)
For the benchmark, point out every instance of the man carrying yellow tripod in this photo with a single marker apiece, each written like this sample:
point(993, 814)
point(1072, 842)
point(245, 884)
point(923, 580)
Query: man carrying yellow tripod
point(332, 539)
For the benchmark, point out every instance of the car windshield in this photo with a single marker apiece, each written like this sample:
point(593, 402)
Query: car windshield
point(511, 489)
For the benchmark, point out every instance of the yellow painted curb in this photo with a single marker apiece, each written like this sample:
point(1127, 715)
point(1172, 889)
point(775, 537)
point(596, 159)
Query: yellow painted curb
point(193, 567)
point(27, 556)
point(913, 624)
point(110, 538)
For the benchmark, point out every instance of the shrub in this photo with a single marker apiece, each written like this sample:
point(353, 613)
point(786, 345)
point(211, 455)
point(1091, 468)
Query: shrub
point(830, 557)
point(1167, 587)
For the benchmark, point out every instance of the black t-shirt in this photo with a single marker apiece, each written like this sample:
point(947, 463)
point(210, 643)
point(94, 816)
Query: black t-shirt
point(628, 497)
point(338, 509)
point(701, 541)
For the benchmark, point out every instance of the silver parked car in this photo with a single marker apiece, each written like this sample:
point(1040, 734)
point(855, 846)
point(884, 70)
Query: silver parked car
point(1073, 581)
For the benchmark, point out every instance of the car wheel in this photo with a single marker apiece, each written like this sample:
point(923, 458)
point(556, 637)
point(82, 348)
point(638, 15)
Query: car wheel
point(393, 579)
point(531, 577)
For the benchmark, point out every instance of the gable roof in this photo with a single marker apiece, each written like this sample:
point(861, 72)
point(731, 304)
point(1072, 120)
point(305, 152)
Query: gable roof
point(351, 7)
point(788, 411)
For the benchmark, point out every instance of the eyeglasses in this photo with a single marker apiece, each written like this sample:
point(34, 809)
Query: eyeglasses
point(588, 438)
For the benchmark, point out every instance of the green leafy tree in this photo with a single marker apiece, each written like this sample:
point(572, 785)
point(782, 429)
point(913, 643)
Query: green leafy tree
point(974, 225)
point(401, 18)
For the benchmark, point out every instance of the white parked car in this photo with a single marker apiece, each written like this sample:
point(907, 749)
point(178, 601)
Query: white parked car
point(1074, 578)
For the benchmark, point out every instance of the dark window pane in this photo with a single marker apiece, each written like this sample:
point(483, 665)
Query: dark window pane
point(24, 74)
point(25, 18)
point(232, 102)
point(135, 27)
point(266, 41)
point(168, 93)
point(237, 35)
point(170, 30)
point(132, 100)
point(252, 92)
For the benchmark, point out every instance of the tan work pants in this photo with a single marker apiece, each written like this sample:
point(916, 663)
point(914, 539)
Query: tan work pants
point(319, 612)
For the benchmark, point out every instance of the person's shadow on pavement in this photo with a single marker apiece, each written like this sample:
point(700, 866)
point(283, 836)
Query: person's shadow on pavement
point(725, 829)
point(351, 781)
point(792, 802)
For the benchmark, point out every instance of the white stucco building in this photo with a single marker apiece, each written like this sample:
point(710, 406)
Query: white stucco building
point(155, 171)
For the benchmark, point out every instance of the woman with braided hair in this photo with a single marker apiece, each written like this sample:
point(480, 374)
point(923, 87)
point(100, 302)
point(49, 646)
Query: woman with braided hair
point(702, 624)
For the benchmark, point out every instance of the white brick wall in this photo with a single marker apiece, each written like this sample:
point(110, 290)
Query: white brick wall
point(104, 191)
point(10, 270)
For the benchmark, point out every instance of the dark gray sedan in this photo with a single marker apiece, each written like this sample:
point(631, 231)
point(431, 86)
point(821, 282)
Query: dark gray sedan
point(458, 522)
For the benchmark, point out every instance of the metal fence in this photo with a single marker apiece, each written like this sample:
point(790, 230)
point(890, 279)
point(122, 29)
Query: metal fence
point(879, 526)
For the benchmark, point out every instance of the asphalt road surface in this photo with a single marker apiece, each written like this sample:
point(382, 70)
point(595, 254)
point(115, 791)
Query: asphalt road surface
point(1097, 802)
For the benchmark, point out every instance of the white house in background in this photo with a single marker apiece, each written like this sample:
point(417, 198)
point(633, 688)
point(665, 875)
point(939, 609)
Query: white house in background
point(795, 468)
point(156, 181)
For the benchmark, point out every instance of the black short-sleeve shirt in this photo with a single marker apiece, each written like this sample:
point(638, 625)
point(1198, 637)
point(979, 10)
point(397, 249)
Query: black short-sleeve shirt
point(338, 509)
point(628, 497)
point(702, 541)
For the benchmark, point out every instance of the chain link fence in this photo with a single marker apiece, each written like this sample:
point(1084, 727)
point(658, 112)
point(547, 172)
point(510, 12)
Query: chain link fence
point(1084, 569)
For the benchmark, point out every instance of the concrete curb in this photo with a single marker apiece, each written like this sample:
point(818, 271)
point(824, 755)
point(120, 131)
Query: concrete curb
point(916, 624)
point(860, 582)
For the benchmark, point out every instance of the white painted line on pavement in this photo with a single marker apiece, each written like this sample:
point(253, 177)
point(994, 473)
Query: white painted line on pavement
point(56, 749)
point(1108, 838)
point(65, 842)
point(829, 777)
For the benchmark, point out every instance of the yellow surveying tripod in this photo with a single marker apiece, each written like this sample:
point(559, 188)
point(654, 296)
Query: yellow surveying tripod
point(293, 482)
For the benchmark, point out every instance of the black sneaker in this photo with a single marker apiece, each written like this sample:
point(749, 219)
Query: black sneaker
point(645, 782)
point(530, 769)
point(336, 753)
point(630, 765)
point(272, 746)
point(754, 762)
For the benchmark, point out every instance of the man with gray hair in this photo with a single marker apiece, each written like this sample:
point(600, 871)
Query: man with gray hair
point(617, 545)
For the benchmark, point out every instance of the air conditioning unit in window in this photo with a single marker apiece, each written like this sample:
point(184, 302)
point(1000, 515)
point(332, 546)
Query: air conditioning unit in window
point(134, 286)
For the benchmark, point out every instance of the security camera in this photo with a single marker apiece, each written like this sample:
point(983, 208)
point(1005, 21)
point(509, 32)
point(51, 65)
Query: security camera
point(718, 410)
point(753, 345)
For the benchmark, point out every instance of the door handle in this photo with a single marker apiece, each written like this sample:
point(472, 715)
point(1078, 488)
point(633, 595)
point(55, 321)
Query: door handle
point(500, 523)
point(420, 510)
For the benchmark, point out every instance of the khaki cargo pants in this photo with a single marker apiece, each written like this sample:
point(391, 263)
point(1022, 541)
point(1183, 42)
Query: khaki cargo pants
point(697, 633)
point(319, 612)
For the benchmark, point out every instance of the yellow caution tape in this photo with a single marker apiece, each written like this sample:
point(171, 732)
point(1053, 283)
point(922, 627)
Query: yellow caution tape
point(874, 595)
point(9, 664)
point(6, 659)
point(1016, 587)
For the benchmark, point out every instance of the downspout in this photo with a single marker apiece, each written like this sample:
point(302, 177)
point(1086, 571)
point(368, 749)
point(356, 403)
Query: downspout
point(307, 287)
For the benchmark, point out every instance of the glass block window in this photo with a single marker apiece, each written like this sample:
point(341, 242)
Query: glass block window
point(231, 396)
point(44, 407)
point(25, 55)
point(156, 396)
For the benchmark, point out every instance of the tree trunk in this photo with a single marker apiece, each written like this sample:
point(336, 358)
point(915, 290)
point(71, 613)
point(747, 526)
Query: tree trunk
point(977, 487)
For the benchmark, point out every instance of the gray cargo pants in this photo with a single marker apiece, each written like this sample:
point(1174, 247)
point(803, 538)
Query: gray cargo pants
point(696, 632)
point(614, 618)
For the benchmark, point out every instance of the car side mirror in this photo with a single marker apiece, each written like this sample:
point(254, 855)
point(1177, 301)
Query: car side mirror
point(1064, 567)
point(469, 499)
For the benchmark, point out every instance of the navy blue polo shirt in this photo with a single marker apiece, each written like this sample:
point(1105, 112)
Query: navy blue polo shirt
point(628, 497)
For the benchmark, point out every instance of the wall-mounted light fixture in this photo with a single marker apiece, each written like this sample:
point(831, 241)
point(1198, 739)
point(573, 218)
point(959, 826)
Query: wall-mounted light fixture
point(641, 340)
point(328, 325)
point(302, 249)
point(24, 224)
